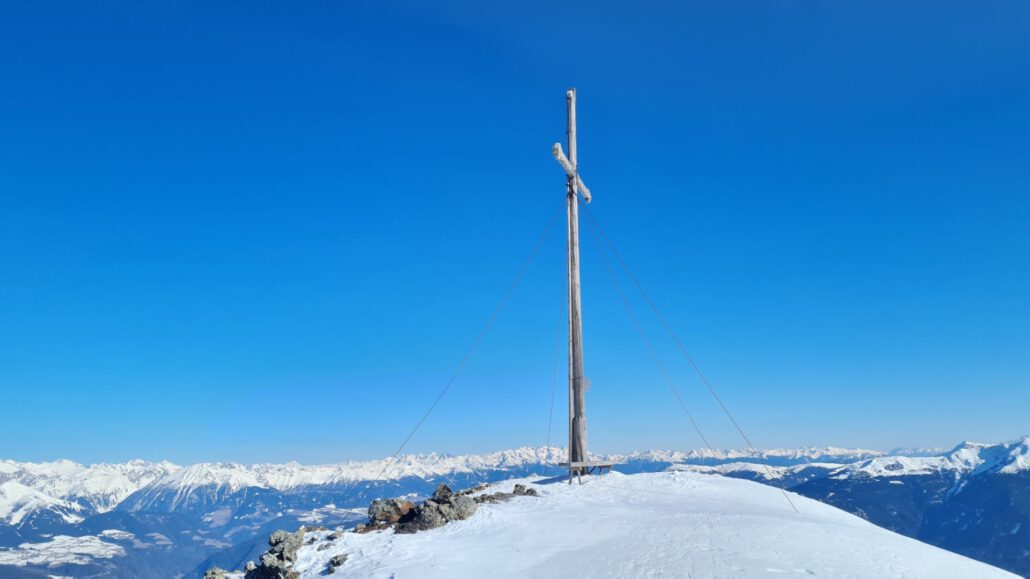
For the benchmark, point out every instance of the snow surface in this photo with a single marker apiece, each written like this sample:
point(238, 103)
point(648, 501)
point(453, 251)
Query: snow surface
point(61, 550)
point(677, 523)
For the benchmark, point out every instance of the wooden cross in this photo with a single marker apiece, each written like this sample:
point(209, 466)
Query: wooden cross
point(578, 384)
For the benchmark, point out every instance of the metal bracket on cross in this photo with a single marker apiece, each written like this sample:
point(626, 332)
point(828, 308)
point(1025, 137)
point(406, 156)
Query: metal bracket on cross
point(559, 155)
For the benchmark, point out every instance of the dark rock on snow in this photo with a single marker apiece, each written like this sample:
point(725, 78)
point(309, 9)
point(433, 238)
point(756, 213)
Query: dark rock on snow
point(335, 563)
point(443, 507)
point(389, 510)
point(276, 562)
point(363, 528)
point(518, 491)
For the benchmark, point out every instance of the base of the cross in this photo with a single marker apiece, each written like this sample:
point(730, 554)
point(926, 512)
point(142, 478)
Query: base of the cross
point(588, 467)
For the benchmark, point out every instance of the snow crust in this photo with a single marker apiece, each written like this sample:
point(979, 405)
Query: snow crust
point(672, 524)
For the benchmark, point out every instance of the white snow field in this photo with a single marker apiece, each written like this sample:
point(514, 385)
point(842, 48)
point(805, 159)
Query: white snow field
point(63, 550)
point(671, 524)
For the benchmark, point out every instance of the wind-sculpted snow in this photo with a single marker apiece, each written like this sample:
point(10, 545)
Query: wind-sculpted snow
point(674, 524)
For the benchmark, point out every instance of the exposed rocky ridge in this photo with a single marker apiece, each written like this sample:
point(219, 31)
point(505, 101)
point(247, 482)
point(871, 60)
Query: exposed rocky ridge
point(520, 490)
point(401, 515)
point(276, 562)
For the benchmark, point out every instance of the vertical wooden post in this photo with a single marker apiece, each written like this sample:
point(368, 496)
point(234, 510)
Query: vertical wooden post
point(577, 381)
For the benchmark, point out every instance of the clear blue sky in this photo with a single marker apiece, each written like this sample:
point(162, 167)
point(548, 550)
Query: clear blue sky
point(269, 231)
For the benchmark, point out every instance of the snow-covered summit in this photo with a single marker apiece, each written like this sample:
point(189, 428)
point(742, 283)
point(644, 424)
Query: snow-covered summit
point(1006, 458)
point(966, 458)
point(70, 487)
point(17, 501)
point(672, 524)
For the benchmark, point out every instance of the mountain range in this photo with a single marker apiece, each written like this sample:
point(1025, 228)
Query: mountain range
point(147, 519)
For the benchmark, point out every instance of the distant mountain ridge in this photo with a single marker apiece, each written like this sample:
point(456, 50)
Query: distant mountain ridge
point(75, 488)
point(157, 518)
point(967, 458)
point(70, 490)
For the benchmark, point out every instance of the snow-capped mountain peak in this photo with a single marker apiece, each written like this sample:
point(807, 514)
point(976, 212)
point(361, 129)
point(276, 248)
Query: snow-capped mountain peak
point(229, 502)
point(71, 487)
point(968, 457)
point(18, 501)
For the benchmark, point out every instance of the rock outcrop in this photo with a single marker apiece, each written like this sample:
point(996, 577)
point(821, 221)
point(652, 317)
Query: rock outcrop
point(277, 561)
point(443, 507)
point(335, 563)
point(388, 511)
point(518, 491)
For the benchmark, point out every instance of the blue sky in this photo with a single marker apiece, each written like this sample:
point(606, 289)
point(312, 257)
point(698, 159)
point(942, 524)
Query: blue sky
point(270, 231)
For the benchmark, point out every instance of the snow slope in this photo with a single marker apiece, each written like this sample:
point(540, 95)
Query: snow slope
point(664, 524)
